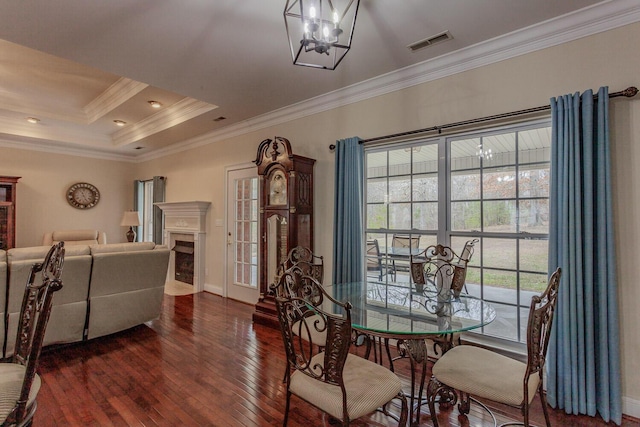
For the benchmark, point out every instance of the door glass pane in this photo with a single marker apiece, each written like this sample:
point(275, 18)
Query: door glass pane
point(246, 220)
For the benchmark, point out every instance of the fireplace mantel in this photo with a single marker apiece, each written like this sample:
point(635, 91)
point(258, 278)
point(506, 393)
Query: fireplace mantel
point(187, 221)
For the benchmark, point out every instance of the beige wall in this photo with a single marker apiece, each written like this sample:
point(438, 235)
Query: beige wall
point(528, 81)
point(41, 204)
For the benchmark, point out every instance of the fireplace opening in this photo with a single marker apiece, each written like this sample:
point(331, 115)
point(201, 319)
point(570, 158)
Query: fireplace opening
point(184, 261)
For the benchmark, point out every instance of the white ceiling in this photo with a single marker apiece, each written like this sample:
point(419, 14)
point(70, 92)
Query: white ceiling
point(78, 65)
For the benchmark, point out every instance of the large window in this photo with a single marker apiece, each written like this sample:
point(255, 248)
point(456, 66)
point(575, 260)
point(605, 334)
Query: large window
point(490, 185)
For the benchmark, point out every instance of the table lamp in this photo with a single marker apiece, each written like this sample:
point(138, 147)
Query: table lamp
point(130, 219)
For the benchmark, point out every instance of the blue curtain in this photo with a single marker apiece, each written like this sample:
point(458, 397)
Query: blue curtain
point(348, 226)
point(583, 363)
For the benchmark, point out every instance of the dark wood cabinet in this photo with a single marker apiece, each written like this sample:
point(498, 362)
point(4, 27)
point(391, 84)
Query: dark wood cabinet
point(286, 214)
point(8, 211)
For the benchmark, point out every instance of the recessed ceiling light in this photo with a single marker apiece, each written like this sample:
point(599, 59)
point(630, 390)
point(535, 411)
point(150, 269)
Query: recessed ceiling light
point(119, 123)
point(32, 120)
point(155, 104)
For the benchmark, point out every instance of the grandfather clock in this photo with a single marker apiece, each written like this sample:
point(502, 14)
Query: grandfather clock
point(286, 214)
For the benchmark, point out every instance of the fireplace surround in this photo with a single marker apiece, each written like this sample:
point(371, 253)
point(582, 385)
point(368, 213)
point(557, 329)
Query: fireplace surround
point(186, 222)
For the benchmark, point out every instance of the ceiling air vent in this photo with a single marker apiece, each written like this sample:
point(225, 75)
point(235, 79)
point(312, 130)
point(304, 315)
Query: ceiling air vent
point(438, 38)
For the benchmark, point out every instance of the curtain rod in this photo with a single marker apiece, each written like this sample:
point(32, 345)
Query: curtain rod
point(629, 92)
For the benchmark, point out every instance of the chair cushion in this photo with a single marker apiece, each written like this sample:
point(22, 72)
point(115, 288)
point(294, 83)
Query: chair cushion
point(11, 377)
point(484, 373)
point(368, 387)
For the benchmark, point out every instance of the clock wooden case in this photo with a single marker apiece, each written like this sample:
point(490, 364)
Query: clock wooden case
point(8, 211)
point(286, 214)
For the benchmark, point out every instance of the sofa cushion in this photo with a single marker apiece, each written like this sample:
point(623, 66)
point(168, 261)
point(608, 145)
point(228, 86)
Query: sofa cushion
point(122, 247)
point(37, 253)
point(84, 237)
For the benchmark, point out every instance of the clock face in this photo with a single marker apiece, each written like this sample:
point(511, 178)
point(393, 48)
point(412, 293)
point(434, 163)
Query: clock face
point(278, 188)
point(83, 195)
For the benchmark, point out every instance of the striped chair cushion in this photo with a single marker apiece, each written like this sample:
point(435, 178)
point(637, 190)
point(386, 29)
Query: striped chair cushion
point(368, 387)
point(11, 377)
point(484, 373)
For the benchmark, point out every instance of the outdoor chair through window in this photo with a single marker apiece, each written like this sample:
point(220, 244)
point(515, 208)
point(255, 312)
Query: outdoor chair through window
point(403, 248)
point(376, 265)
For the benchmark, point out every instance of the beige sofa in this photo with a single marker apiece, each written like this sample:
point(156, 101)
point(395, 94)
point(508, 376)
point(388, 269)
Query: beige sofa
point(106, 289)
point(75, 237)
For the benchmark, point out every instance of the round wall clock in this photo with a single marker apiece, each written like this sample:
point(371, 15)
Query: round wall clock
point(83, 195)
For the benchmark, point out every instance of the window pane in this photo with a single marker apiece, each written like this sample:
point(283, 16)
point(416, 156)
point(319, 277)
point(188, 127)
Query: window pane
point(499, 216)
point(400, 162)
point(377, 164)
point(500, 285)
point(506, 323)
point(377, 190)
point(425, 188)
point(465, 185)
point(425, 158)
point(534, 181)
point(465, 216)
point(499, 253)
point(400, 189)
point(502, 149)
point(463, 154)
point(499, 183)
point(530, 285)
point(534, 216)
point(425, 216)
point(534, 145)
point(400, 216)
point(534, 255)
point(377, 216)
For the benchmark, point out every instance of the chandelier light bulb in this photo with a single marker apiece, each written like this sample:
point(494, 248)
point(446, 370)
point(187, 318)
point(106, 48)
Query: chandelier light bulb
point(336, 18)
point(325, 31)
point(312, 12)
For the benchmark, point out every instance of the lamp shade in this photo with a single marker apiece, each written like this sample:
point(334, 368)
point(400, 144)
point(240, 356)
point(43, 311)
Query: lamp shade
point(130, 219)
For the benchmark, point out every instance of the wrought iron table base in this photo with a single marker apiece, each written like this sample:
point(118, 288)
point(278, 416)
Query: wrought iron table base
point(413, 349)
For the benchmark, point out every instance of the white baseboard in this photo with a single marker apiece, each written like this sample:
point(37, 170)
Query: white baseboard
point(218, 290)
point(631, 407)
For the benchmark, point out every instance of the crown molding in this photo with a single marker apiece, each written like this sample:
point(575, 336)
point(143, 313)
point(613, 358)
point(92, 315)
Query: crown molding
point(56, 147)
point(115, 95)
point(601, 17)
point(180, 112)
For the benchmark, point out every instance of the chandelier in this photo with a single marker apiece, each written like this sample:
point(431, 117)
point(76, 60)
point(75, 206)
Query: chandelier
point(484, 153)
point(320, 31)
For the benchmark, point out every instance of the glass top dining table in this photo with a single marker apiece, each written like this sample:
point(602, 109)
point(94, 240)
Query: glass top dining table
point(398, 310)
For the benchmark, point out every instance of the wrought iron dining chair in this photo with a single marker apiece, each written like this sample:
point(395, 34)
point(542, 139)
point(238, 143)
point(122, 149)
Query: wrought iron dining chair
point(302, 257)
point(335, 381)
point(19, 383)
point(445, 273)
point(295, 282)
point(468, 370)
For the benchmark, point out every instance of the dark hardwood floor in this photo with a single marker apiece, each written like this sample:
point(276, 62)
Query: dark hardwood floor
point(202, 363)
